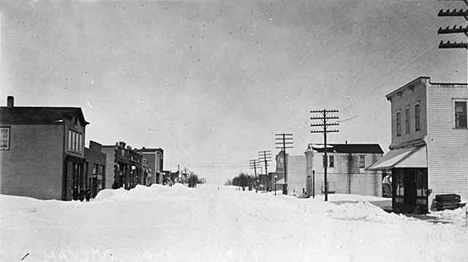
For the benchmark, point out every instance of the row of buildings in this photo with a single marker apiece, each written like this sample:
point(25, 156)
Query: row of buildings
point(43, 155)
point(428, 154)
point(346, 166)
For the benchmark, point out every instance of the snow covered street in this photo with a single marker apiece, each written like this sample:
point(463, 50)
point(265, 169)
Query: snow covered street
point(209, 224)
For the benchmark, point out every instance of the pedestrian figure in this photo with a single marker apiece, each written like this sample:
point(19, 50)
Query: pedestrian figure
point(387, 186)
point(87, 194)
point(82, 195)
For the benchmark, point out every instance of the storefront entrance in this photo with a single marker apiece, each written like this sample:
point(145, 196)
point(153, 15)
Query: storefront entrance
point(410, 190)
point(74, 178)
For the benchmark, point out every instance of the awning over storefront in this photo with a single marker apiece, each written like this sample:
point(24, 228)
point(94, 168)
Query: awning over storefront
point(413, 157)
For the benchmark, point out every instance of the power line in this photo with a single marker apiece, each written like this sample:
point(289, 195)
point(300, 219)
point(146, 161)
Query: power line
point(385, 75)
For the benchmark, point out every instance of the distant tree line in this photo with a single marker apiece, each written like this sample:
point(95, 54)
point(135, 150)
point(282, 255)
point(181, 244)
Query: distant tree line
point(242, 180)
point(193, 180)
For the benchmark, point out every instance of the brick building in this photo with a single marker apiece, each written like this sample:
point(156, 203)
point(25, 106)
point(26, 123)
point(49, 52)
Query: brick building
point(124, 167)
point(346, 171)
point(95, 167)
point(429, 153)
point(42, 151)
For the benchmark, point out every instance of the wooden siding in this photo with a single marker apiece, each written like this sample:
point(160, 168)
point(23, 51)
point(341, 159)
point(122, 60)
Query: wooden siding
point(409, 99)
point(346, 177)
point(296, 174)
point(447, 147)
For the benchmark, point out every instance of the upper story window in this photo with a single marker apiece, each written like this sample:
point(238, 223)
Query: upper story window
point(4, 138)
point(75, 141)
point(460, 114)
point(362, 161)
point(407, 120)
point(398, 123)
point(417, 115)
point(331, 161)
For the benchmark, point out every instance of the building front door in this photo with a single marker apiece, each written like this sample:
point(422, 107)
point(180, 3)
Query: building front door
point(409, 198)
point(410, 190)
point(74, 180)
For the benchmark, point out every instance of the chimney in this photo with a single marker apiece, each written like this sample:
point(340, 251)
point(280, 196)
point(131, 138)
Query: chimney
point(10, 101)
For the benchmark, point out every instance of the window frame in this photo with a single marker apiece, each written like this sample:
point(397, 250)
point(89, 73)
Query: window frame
point(407, 120)
point(398, 122)
point(331, 161)
point(417, 117)
point(362, 160)
point(455, 101)
point(8, 139)
point(75, 142)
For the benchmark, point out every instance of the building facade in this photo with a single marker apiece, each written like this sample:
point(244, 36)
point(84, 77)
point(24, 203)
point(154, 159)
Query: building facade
point(429, 153)
point(346, 170)
point(42, 151)
point(95, 168)
point(153, 158)
point(295, 173)
point(123, 166)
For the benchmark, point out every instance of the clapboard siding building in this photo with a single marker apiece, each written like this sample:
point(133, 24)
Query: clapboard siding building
point(429, 148)
point(346, 173)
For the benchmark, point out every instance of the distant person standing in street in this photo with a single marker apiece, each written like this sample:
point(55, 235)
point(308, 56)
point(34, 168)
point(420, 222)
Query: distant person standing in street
point(387, 185)
point(87, 194)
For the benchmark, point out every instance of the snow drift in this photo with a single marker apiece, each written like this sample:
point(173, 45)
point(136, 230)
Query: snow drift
point(213, 223)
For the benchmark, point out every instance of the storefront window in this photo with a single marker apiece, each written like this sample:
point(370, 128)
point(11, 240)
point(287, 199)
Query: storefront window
point(421, 183)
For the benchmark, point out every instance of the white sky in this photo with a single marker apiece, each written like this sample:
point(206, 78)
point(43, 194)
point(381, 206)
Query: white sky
point(211, 82)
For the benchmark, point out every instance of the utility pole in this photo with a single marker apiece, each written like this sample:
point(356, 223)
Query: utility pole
point(454, 29)
point(253, 164)
point(283, 141)
point(324, 118)
point(265, 156)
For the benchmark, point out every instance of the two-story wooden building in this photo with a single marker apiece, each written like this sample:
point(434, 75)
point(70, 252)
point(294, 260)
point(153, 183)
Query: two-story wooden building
point(42, 151)
point(429, 148)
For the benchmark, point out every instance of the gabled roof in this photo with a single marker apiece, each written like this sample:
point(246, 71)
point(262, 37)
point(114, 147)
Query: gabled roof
point(38, 115)
point(347, 148)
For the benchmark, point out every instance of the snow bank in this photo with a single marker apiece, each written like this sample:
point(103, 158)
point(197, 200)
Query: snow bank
point(458, 216)
point(212, 223)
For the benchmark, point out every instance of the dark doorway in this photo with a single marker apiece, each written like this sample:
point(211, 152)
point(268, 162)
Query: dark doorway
point(410, 190)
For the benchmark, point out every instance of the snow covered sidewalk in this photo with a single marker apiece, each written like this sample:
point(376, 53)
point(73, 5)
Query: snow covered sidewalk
point(206, 224)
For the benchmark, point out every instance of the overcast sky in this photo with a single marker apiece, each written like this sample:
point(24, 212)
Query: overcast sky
point(211, 82)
